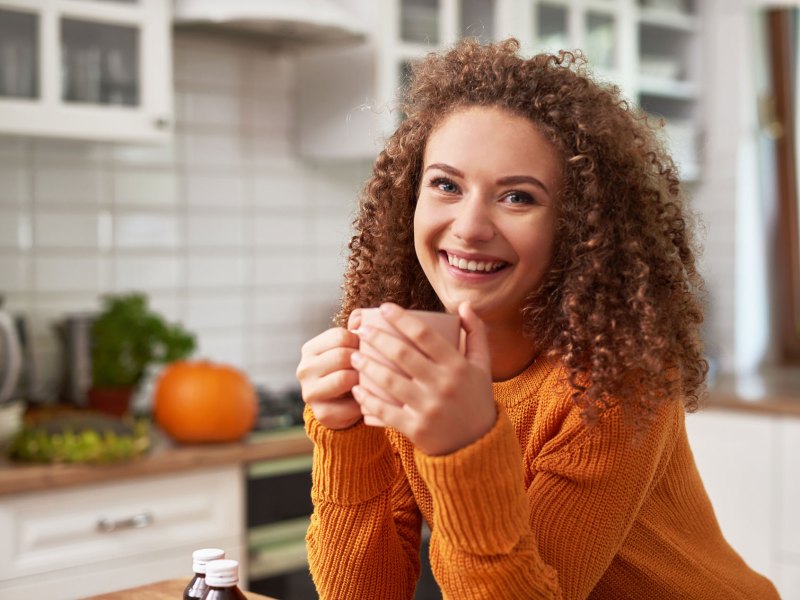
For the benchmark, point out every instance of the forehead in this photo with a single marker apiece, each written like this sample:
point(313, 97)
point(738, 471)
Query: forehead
point(494, 140)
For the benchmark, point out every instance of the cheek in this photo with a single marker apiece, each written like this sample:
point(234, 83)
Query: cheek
point(425, 227)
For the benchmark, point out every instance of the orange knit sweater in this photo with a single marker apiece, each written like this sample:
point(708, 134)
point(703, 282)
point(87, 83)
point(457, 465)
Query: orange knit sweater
point(540, 507)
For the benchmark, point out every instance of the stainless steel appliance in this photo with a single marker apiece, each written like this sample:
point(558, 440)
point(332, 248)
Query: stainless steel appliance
point(278, 510)
point(74, 333)
point(10, 356)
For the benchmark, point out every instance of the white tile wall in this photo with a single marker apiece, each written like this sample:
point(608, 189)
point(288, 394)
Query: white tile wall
point(225, 228)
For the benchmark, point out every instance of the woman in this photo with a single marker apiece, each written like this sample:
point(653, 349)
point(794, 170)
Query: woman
point(549, 456)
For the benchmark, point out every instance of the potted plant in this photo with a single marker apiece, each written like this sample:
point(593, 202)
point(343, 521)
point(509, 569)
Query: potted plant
point(126, 337)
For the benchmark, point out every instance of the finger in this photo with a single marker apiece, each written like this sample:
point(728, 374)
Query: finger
point(338, 413)
point(354, 320)
point(331, 387)
point(331, 338)
point(477, 342)
point(384, 412)
point(393, 384)
point(428, 341)
point(325, 363)
point(405, 357)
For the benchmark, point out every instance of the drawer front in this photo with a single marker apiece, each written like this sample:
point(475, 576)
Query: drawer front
point(108, 576)
point(55, 530)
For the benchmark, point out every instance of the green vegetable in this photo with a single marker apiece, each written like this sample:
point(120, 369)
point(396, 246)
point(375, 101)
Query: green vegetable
point(81, 439)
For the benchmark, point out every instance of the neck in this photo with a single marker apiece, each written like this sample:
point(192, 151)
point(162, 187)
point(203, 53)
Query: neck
point(511, 351)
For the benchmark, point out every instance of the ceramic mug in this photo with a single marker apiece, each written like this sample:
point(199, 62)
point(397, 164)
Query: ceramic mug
point(446, 325)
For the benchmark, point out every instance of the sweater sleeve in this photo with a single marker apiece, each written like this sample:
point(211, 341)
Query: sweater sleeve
point(364, 537)
point(497, 537)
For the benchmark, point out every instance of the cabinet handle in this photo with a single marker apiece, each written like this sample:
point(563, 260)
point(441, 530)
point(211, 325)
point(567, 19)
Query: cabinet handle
point(139, 521)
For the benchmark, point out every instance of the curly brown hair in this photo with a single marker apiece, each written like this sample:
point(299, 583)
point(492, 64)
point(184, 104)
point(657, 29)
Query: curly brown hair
point(619, 303)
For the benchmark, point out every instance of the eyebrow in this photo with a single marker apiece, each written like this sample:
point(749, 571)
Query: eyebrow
point(510, 180)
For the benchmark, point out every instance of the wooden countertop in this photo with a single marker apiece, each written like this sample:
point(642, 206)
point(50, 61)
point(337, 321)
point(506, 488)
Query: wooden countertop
point(171, 589)
point(771, 391)
point(165, 457)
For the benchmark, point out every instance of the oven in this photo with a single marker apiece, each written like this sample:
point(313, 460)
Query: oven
point(278, 511)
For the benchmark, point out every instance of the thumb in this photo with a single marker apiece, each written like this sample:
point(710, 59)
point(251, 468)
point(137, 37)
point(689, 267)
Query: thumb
point(477, 343)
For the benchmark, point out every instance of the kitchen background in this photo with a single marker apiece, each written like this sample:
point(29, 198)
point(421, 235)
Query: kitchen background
point(234, 217)
point(224, 227)
point(230, 230)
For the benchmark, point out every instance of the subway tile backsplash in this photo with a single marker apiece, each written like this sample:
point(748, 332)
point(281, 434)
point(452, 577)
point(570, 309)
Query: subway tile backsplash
point(225, 228)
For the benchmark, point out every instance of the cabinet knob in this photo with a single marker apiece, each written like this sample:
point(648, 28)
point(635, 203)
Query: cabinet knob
point(139, 521)
point(161, 122)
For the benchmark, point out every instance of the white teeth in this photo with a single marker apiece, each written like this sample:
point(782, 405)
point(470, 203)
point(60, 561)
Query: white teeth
point(473, 265)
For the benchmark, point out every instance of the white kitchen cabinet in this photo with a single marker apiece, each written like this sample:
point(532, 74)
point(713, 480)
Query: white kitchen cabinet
point(91, 69)
point(346, 97)
point(734, 452)
point(750, 464)
point(99, 538)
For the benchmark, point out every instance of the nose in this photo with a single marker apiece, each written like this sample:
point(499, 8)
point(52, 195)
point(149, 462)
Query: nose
point(472, 221)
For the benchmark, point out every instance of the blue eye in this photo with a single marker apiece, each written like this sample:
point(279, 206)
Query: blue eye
point(519, 198)
point(445, 185)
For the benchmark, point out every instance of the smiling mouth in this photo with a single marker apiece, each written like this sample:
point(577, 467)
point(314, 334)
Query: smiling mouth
point(474, 266)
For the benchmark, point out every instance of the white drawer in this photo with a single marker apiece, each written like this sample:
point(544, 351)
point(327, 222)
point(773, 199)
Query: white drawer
point(47, 531)
point(113, 575)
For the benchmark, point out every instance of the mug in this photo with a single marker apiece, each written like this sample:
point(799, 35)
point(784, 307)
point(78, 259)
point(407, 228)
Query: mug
point(446, 325)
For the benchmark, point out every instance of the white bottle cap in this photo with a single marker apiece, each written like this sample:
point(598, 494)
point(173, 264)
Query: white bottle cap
point(222, 573)
point(203, 556)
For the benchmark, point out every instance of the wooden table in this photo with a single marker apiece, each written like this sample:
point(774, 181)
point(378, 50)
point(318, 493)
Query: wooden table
point(171, 589)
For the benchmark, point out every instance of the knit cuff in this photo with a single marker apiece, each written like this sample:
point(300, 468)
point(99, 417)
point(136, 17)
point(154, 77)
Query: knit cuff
point(479, 499)
point(350, 465)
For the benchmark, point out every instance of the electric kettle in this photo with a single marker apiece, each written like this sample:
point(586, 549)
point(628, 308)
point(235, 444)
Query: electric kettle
point(10, 356)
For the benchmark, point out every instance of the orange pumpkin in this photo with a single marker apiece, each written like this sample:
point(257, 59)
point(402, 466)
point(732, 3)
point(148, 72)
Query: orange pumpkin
point(200, 401)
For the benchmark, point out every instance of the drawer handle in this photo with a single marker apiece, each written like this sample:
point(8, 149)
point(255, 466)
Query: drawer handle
point(139, 521)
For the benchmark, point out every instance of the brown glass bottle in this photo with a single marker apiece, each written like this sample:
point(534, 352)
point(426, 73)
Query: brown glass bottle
point(197, 586)
point(222, 579)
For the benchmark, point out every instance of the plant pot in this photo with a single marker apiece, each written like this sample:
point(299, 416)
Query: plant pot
point(112, 401)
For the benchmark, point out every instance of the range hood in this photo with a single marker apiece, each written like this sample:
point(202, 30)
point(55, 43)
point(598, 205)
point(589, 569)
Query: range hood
point(303, 22)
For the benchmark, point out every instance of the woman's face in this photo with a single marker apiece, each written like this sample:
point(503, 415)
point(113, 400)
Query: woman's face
point(485, 218)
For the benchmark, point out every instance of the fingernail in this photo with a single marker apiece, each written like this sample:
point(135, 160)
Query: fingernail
point(356, 359)
point(358, 392)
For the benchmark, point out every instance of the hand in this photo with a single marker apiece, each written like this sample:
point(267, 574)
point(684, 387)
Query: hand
point(444, 400)
point(326, 375)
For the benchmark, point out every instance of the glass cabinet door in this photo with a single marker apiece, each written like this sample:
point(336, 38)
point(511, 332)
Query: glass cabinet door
point(419, 21)
point(19, 54)
point(601, 36)
point(478, 19)
point(552, 27)
point(100, 63)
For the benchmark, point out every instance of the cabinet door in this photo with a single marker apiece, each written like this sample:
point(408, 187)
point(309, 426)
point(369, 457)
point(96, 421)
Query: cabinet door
point(96, 69)
point(95, 529)
point(735, 455)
